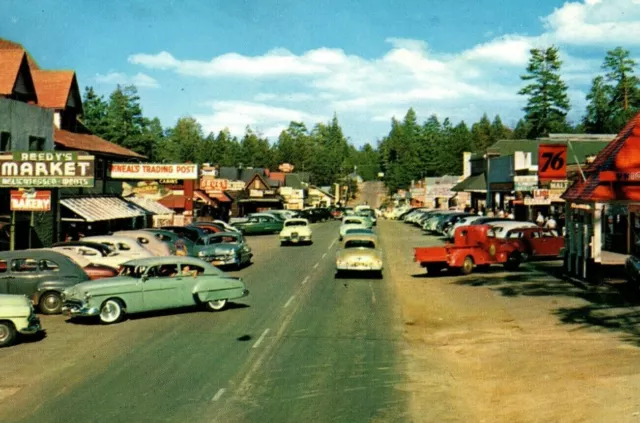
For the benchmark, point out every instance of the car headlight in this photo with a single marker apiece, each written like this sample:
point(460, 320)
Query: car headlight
point(201, 254)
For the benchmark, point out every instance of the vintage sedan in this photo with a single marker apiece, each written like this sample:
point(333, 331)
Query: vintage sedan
point(93, 270)
point(40, 275)
point(260, 224)
point(296, 231)
point(16, 316)
point(224, 249)
point(359, 253)
point(536, 243)
point(126, 247)
point(97, 253)
point(149, 241)
point(174, 241)
point(155, 283)
point(350, 222)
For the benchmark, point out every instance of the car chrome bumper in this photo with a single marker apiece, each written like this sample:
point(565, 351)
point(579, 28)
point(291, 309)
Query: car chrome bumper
point(359, 268)
point(73, 310)
point(245, 293)
point(33, 327)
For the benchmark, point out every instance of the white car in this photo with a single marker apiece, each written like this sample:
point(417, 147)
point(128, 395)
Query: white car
point(349, 222)
point(126, 248)
point(16, 316)
point(502, 228)
point(148, 241)
point(226, 226)
point(96, 253)
point(296, 231)
point(462, 222)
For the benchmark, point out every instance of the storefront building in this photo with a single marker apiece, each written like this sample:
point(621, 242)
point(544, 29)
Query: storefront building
point(603, 217)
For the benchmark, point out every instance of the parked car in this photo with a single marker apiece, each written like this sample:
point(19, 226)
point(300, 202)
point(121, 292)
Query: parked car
point(369, 214)
point(227, 227)
point(191, 233)
point(359, 253)
point(95, 252)
point(536, 243)
point(488, 220)
point(39, 274)
point(449, 220)
point(208, 227)
point(268, 214)
point(224, 249)
point(502, 229)
point(155, 283)
point(323, 213)
point(284, 214)
point(260, 224)
point(16, 316)
point(431, 224)
point(173, 240)
point(296, 231)
point(124, 246)
point(309, 215)
point(150, 242)
point(349, 222)
point(93, 270)
point(359, 231)
point(465, 221)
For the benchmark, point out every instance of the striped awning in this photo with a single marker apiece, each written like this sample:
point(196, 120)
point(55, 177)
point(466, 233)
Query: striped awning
point(96, 209)
point(150, 205)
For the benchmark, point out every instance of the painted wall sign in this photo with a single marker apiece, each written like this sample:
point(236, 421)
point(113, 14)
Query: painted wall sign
point(631, 175)
point(209, 183)
point(154, 171)
point(559, 185)
point(286, 167)
point(525, 183)
point(256, 193)
point(46, 169)
point(552, 161)
point(501, 186)
point(36, 201)
point(236, 185)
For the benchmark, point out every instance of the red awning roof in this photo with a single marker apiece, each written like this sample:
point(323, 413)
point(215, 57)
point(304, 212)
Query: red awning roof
point(173, 201)
point(620, 155)
point(91, 143)
point(220, 197)
point(198, 194)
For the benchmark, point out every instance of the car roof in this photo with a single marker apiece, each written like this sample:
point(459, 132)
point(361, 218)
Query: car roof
point(513, 224)
point(134, 232)
point(152, 261)
point(90, 244)
point(109, 238)
point(221, 234)
point(360, 237)
point(297, 219)
point(43, 253)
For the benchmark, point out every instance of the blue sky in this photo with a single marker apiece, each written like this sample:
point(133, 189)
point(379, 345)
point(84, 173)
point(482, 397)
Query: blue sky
point(264, 63)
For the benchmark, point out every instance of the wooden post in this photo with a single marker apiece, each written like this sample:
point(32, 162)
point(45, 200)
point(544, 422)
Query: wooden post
point(12, 232)
point(31, 226)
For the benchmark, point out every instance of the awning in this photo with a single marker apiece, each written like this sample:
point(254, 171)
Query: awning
point(199, 195)
point(474, 183)
point(150, 205)
point(173, 201)
point(96, 209)
point(260, 200)
point(219, 197)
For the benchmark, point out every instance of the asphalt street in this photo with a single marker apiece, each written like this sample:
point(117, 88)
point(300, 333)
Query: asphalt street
point(303, 346)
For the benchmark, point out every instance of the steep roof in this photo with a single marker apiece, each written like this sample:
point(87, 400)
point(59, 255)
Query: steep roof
point(54, 87)
point(92, 144)
point(620, 155)
point(10, 62)
point(12, 45)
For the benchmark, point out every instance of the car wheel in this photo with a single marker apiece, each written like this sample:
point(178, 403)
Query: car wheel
point(216, 305)
point(7, 334)
point(467, 265)
point(111, 311)
point(524, 256)
point(50, 303)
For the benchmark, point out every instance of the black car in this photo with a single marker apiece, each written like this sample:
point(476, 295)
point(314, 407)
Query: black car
point(324, 214)
point(485, 220)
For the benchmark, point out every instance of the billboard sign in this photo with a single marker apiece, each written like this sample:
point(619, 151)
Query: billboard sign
point(154, 171)
point(30, 201)
point(51, 169)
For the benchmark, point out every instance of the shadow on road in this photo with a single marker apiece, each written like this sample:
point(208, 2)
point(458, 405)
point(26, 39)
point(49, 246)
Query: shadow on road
point(615, 308)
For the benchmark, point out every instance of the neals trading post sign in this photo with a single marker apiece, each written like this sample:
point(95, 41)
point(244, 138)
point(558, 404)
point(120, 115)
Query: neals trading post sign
point(154, 171)
point(36, 201)
point(46, 169)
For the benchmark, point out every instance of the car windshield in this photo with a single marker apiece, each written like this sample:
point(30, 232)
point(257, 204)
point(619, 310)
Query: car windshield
point(296, 223)
point(352, 222)
point(359, 231)
point(360, 243)
point(223, 239)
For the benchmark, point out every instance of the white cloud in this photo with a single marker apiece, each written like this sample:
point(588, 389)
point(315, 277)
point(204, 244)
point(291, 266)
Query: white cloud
point(462, 85)
point(236, 115)
point(139, 79)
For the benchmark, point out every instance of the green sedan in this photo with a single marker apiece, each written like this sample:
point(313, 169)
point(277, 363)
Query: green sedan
point(260, 225)
point(154, 283)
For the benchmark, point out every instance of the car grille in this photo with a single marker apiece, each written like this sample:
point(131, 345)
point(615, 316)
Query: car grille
point(73, 303)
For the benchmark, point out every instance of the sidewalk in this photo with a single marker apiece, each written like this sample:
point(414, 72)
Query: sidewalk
point(512, 346)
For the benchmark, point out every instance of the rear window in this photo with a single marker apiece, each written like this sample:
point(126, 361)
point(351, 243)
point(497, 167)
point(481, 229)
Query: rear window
point(357, 243)
point(352, 222)
point(48, 266)
point(296, 223)
point(24, 265)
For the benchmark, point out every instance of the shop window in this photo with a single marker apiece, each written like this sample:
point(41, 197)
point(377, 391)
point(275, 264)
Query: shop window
point(5, 141)
point(36, 144)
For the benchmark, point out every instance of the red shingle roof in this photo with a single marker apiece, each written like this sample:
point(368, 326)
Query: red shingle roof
point(10, 61)
point(91, 143)
point(53, 87)
point(278, 176)
point(173, 201)
point(11, 45)
point(622, 154)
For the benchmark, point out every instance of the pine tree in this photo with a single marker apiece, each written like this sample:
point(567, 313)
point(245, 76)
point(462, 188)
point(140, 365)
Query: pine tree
point(522, 130)
point(548, 102)
point(95, 112)
point(499, 131)
point(623, 86)
point(598, 117)
point(481, 133)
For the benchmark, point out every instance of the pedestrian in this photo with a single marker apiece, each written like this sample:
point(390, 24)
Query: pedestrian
point(551, 223)
point(511, 215)
point(490, 213)
point(540, 219)
point(500, 213)
point(481, 212)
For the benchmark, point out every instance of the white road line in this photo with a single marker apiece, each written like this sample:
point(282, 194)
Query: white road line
point(315, 266)
point(218, 394)
point(305, 280)
point(289, 301)
point(373, 294)
point(332, 244)
point(259, 341)
point(324, 255)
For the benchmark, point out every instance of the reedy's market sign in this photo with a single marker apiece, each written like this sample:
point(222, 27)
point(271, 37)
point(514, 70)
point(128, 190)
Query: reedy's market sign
point(46, 169)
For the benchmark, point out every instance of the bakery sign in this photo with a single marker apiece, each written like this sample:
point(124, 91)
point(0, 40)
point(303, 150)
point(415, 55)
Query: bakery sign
point(154, 171)
point(50, 169)
point(30, 201)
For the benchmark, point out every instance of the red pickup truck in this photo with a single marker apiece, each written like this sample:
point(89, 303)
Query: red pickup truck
point(473, 246)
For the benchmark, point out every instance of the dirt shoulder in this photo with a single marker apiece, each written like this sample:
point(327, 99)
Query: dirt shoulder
point(511, 347)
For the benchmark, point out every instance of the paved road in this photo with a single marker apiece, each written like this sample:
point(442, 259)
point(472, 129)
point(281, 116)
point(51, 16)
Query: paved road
point(302, 347)
point(372, 193)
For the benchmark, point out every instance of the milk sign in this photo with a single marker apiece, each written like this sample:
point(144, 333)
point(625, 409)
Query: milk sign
point(51, 169)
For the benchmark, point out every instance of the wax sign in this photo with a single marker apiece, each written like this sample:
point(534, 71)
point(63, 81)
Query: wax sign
point(552, 161)
point(38, 201)
point(154, 171)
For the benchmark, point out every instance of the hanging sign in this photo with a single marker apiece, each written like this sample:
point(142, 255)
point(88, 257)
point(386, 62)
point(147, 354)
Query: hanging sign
point(30, 201)
point(525, 183)
point(209, 183)
point(552, 161)
point(46, 169)
point(154, 171)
